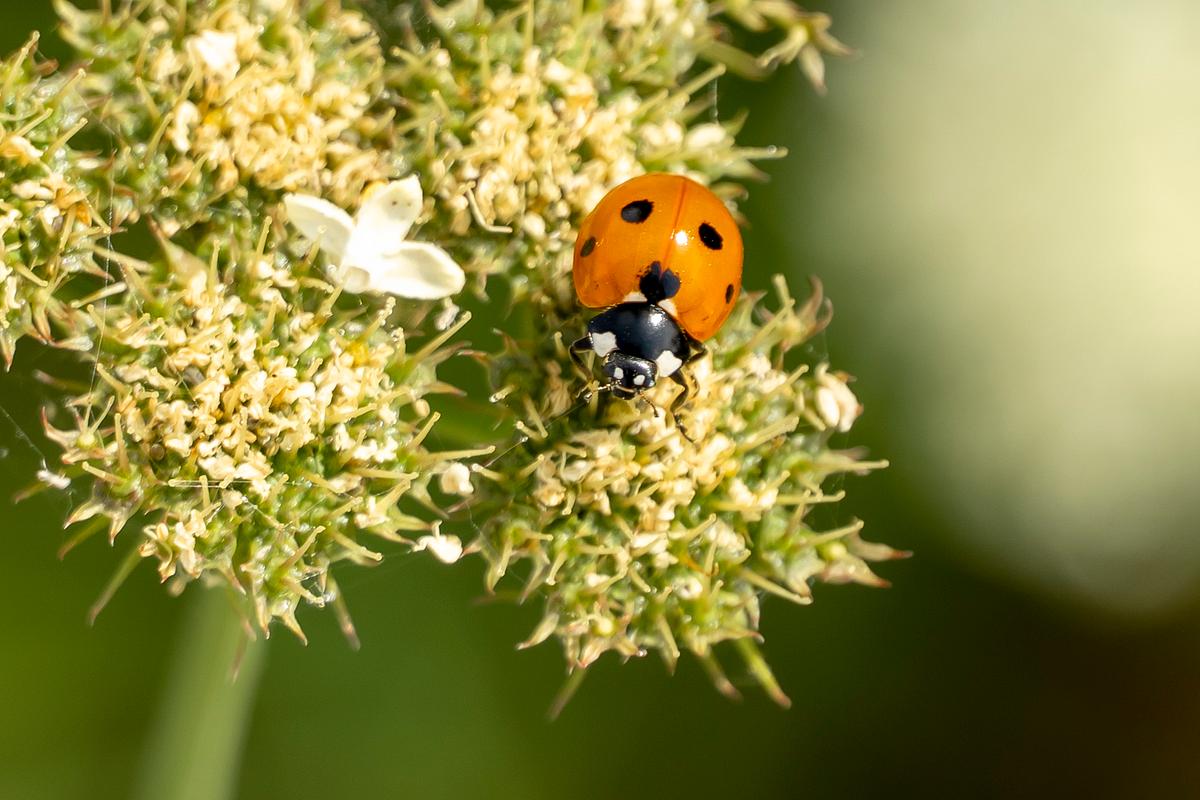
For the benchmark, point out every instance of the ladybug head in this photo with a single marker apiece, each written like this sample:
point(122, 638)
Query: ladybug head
point(628, 375)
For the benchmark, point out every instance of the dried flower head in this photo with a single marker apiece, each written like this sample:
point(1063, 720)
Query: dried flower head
point(212, 102)
point(48, 220)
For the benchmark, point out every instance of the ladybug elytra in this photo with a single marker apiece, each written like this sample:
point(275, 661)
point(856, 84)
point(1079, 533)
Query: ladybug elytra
point(663, 256)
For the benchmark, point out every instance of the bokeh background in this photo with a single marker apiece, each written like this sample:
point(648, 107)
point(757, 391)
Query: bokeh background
point(1000, 197)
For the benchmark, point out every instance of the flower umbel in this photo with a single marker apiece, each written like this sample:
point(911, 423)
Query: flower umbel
point(250, 423)
point(640, 538)
point(634, 537)
point(220, 104)
point(269, 432)
point(267, 382)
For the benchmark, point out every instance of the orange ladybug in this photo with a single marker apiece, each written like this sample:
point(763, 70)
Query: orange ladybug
point(663, 256)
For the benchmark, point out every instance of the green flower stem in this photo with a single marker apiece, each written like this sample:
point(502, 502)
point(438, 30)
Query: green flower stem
point(195, 745)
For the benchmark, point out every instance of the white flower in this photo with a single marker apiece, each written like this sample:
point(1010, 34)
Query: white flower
point(53, 479)
point(706, 136)
point(836, 404)
point(368, 253)
point(8, 220)
point(217, 52)
point(184, 119)
point(446, 549)
point(447, 316)
point(19, 149)
point(456, 480)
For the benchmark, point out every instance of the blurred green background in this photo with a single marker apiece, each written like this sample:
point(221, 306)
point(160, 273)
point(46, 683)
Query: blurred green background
point(1000, 198)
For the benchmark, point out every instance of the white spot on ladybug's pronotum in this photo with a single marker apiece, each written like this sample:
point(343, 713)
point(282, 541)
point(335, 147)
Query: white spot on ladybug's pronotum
point(604, 343)
point(619, 374)
point(639, 379)
point(668, 305)
point(634, 297)
point(667, 363)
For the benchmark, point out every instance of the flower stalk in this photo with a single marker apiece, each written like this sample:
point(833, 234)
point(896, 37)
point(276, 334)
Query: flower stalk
point(194, 748)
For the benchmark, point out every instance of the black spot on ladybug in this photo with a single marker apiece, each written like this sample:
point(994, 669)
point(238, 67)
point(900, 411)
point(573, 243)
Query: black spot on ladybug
point(708, 234)
point(588, 246)
point(637, 211)
point(729, 293)
point(658, 285)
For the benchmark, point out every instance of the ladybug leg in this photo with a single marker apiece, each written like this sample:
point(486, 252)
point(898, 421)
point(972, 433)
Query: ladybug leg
point(685, 383)
point(578, 348)
point(684, 379)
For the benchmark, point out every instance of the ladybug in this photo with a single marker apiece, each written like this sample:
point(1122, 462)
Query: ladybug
point(662, 256)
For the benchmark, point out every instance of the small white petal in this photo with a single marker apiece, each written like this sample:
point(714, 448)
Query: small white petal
point(355, 280)
point(827, 407)
point(417, 270)
point(447, 316)
point(456, 480)
point(705, 137)
point(217, 51)
point(836, 403)
point(322, 222)
point(19, 149)
point(53, 479)
point(446, 549)
point(384, 219)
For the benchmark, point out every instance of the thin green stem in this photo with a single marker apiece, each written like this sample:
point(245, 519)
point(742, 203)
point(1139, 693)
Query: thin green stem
point(195, 744)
